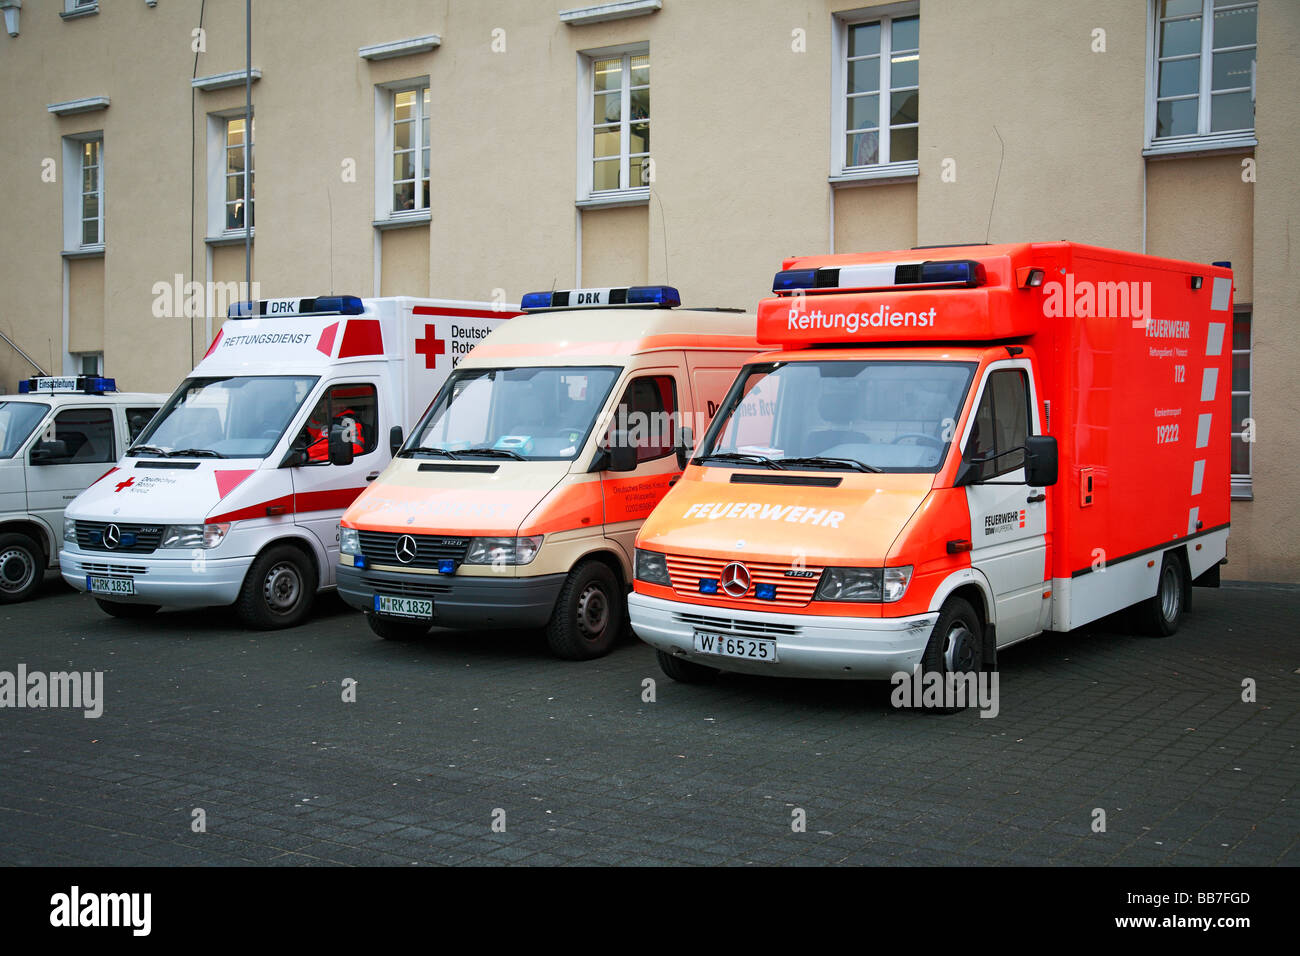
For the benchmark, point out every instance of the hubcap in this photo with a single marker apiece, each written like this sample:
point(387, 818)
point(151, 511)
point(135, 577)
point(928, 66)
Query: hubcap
point(16, 570)
point(593, 612)
point(1171, 593)
point(960, 653)
point(282, 587)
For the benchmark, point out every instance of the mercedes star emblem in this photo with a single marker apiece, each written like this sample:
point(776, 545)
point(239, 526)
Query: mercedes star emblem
point(405, 549)
point(112, 537)
point(735, 579)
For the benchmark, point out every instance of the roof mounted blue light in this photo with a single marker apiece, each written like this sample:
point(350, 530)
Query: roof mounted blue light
point(879, 275)
point(85, 384)
point(319, 305)
point(664, 296)
point(637, 296)
point(535, 300)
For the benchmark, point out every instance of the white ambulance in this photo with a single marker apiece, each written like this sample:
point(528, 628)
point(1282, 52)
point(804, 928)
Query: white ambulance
point(233, 493)
point(57, 436)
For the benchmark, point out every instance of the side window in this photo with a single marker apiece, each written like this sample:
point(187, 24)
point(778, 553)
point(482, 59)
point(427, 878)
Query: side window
point(1001, 424)
point(355, 407)
point(136, 420)
point(648, 412)
point(86, 433)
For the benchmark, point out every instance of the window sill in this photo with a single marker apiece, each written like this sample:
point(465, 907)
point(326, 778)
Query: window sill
point(1242, 490)
point(404, 220)
point(615, 199)
point(85, 252)
point(1202, 145)
point(877, 175)
point(78, 14)
point(230, 238)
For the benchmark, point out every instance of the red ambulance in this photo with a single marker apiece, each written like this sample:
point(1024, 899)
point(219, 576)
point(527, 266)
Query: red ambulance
point(949, 451)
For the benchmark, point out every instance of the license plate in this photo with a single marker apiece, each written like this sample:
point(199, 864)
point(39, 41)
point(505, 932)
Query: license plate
point(728, 645)
point(98, 585)
point(403, 606)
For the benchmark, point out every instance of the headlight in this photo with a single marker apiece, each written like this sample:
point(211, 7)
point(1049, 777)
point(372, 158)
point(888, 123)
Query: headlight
point(69, 529)
point(349, 540)
point(652, 567)
point(194, 535)
point(867, 585)
point(499, 551)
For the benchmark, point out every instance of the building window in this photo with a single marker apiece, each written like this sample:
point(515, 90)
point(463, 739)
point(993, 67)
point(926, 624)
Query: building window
point(234, 200)
point(74, 8)
point(1242, 434)
point(1203, 70)
point(92, 192)
point(89, 363)
point(410, 160)
point(614, 125)
point(877, 94)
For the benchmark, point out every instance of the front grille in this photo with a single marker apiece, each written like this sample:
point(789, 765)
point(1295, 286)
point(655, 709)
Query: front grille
point(686, 573)
point(413, 589)
point(132, 538)
point(737, 626)
point(89, 567)
point(380, 547)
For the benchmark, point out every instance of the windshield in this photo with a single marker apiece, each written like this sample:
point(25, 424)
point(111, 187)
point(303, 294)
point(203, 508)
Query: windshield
point(841, 415)
point(235, 417)
point(17, 421)
point(533, 413)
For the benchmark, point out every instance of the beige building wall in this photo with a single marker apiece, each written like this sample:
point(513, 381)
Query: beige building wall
point(1027, 132)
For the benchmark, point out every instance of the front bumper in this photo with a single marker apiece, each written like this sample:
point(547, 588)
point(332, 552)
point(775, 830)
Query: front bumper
point(170, 582)
point(458, 602)
point(807, 645)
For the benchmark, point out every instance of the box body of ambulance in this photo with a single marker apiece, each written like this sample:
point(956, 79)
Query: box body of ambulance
point(950, 451)
point(516, 499)
point(233, 493)
point(57, 437)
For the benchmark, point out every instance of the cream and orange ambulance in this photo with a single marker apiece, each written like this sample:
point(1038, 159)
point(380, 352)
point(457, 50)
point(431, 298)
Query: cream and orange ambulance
point(517, 497)
point(949, 451)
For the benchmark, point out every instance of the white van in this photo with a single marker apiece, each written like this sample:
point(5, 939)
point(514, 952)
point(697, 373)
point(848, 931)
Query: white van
point(233, 493)
point(57, 436)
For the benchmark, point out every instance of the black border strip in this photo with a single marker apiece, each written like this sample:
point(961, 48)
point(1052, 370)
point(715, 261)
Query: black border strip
point(1159, 547)
point(814, 481)
point(476, 469)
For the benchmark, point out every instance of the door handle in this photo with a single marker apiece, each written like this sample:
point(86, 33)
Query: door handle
point(372, 476)
point(673, 481)
point(1035, 498)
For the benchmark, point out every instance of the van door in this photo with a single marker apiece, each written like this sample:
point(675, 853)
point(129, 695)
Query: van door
point(1008, 518)
point(322, 491)
point(649, 411)
point(72, 451)
point(710, 383)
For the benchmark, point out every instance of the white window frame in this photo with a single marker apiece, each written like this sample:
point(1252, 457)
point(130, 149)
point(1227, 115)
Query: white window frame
point(73, 195)
point(629, 195)
point(1202, 140)
point(841, 24)
point(1243, 485)
point(79, 8)
point(79, 358)
point(385, 114)
point(218, 124)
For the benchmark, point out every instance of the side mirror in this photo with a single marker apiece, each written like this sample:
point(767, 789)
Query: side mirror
point(49, 452)
point(686, 445)
point(621, 453)
point(395, 439)
point(340, 446)
point(1040, 461)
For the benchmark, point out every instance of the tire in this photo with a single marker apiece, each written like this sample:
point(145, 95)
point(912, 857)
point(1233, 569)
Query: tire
point(589, 613)
point(22, 567)
point(684, 671)
point(956, 645)
point(1160, 615)
point(278, 591)
point(127, 612)
point(391, 630)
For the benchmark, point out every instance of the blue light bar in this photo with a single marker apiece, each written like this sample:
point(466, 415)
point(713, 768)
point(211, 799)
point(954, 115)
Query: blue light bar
point(793, 279)
point(879, 275)
point(320, 305)
point(664, 296)
point(446, 566)
point(964, 272)
point(765, 592)
point(86, 384)
point(637, 296)
point(708, 585)
point(535, 300)
point(342, 304)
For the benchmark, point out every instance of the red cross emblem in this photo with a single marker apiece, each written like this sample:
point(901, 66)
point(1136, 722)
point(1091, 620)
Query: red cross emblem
point(125, 484)
point(430, 347)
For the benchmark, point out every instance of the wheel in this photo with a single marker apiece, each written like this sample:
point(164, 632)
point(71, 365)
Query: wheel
point(278, 591)
point(1159, 616)
point(589, 613)
point(956, 645)
point(684, 671)
point(391, 630)
point(126, 611)
point(22, 567)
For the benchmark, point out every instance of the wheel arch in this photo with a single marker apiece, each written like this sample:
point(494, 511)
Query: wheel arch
point(37, 530)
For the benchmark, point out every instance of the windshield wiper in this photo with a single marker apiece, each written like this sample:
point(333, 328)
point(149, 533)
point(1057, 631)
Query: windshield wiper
point(814, 461)
point(494, 453)
point(737, 456)
point(194, 453)
point(425, 450)
point(152, 449)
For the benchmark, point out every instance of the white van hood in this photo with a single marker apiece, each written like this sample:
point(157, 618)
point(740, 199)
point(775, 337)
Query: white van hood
point(170, 490)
